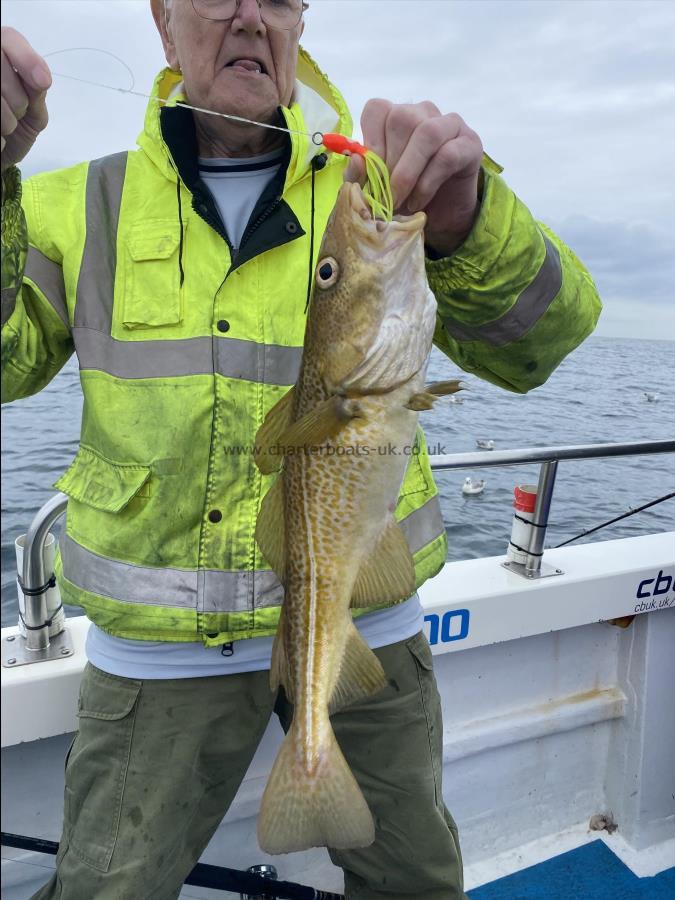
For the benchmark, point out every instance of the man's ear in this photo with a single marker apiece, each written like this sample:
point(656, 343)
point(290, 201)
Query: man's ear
point(160, 15)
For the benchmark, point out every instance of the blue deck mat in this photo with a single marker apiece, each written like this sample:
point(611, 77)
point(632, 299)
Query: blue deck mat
point(591, 872)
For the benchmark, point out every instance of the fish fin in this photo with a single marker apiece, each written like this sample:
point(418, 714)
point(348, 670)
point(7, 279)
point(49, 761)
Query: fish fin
point(361, 673)
point(277, 421)
point(280, 675)
point(432, 392)
point(321, 808)
point(443, 388)
point(269, 530)
point(321, 423)
point(386, 574)
point(421, 401)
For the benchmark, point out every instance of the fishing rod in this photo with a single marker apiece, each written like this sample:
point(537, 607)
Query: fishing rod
point(631, 512)
point(203, 875)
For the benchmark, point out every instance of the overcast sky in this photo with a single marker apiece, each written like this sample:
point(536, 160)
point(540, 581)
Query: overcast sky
point(575, 98)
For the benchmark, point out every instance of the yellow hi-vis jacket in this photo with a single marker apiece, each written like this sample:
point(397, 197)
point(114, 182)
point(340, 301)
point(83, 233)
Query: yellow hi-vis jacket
point(183, 347)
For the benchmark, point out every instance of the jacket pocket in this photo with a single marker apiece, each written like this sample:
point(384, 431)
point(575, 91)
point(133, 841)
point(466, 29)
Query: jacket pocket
point(418, 645)
point(97, 768)
point(152, 292)
point(102, 484)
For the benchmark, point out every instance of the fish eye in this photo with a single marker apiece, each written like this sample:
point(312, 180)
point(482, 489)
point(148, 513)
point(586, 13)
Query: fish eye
point(327, 272)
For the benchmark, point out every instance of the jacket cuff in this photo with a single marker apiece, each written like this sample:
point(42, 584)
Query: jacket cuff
point(503, 278)
point(14, 240)
point(11, 186)
point(476, 256)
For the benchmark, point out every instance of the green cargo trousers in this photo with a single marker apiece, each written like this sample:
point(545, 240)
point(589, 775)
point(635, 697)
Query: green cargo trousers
point(156, 764)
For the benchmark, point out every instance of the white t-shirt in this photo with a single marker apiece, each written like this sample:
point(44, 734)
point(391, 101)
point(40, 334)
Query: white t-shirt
point(236, 186)
point(162, 659)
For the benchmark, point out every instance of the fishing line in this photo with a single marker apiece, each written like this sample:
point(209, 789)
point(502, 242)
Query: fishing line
point(376, 190)
point(631, 512)
point(316, 137)
point(95, 50)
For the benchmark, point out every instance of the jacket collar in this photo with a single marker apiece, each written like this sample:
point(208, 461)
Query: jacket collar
point(316, 106)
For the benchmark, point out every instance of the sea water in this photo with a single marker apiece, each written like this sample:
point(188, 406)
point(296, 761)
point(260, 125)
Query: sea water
point(597, 395)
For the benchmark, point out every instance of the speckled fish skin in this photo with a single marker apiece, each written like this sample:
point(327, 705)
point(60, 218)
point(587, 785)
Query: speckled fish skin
point(367, 346)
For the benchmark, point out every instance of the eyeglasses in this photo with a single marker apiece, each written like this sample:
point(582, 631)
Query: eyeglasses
point(281, 14)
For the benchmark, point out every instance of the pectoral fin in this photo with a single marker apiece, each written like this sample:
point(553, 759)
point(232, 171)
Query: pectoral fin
point(388, 573)
point(443, 388)
point(321, 423)
point(425, 399)
point(420, 402)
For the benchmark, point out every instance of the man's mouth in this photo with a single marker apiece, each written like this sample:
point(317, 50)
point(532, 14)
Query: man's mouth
point(248, 64)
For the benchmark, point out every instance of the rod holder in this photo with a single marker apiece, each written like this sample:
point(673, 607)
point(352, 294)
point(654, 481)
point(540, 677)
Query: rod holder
point(534, 566)
point(37, 646)
point(542, 508)
point(34, 575)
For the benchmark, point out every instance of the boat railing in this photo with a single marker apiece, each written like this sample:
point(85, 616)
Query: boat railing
point(549, 457)
point(39, 646)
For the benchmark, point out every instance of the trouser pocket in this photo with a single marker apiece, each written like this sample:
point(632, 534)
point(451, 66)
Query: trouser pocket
point(96, 770)
point(419, 648)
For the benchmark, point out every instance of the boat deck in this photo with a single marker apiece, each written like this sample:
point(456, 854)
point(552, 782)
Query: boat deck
point(592, 871)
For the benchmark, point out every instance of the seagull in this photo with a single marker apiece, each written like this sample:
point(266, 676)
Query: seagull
point(473, 487)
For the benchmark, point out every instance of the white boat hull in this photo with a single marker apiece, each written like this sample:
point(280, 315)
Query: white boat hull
point(551, 715)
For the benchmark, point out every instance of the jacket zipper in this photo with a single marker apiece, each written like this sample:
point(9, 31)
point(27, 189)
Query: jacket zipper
point(258, 222)
point(249, 230)
point(212, 223)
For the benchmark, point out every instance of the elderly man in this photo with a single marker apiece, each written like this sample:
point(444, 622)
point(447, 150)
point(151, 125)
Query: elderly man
point(177, 273)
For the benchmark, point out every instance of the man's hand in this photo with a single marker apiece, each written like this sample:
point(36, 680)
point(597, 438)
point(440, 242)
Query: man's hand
point(434, 162)
point(25, 80)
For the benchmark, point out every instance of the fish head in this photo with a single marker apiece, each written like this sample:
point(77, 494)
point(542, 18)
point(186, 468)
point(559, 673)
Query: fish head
point(372, 314)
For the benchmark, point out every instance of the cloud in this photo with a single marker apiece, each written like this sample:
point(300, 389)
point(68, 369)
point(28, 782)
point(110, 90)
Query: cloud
point(633, 266)
point(631, 260)
point(574, 99)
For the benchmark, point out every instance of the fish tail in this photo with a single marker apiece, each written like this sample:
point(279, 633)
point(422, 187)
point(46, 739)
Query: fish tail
point(319, 808)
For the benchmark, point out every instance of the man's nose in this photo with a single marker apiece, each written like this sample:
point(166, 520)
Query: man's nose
point(247, 17)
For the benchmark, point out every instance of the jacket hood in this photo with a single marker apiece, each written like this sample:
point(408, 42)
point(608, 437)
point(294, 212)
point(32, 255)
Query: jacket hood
point(317, 106)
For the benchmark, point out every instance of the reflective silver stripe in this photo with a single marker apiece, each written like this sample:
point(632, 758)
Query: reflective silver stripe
point(267, 363)
point(96, 282)
point(47, 276)
point(239, 591)
point(213, 591)
point(210, 591)
point(525, 312)
point(423, 525)
point(125, 581)
point(142, 359)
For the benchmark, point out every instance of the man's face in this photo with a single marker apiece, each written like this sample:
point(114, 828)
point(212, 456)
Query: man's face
point(240, 66)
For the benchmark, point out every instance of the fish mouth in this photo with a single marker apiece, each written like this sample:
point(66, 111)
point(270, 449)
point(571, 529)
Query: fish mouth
point(385, 236)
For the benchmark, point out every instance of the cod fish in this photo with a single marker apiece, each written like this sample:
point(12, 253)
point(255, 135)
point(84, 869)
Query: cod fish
point(327, 524)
